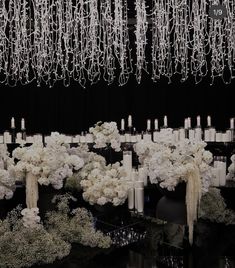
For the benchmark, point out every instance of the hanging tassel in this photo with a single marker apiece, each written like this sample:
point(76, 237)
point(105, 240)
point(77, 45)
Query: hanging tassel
point(193, 196)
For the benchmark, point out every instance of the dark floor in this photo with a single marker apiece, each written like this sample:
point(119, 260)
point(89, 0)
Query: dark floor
point(142, 241)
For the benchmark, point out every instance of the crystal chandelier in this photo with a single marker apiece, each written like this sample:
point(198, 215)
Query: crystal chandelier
point(88, 40)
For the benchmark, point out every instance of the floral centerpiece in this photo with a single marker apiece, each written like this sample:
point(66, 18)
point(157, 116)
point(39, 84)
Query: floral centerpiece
point(45, 165)
point(101, 183)
point(170, 163)
point(7, 176)
point(231, 169)
point(106, 133)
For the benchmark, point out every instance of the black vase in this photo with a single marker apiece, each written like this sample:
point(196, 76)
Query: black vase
point(178, 193)
point(171, 207)
point(106, 208)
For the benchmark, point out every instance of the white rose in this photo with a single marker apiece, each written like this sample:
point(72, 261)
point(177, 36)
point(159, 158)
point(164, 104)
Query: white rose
point(101, 201)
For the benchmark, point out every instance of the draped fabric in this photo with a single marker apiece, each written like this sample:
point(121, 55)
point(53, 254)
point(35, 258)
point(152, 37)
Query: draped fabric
point(31, 190)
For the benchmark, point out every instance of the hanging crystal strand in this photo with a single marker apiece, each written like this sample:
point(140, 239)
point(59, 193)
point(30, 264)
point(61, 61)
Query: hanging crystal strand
point(68, 42)
point(121, 41)
point(3, 38)
point(52, 50)
point(229, 32)
point(181, 38)
point(141, 38)
point(47, 42)
point(108, 61)
point(82, 38)
point(11, 59)
point(23, 42)
point(93, 69)
point(161, 43)
point(78, 59)
point(216, 39)
point(18, 35)
point(199, 42)
point(37, 41)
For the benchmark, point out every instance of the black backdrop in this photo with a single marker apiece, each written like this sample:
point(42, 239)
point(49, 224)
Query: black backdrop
point(72, 109)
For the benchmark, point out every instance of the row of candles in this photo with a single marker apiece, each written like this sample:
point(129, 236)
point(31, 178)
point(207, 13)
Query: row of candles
point(209, 134)
point(187, 123)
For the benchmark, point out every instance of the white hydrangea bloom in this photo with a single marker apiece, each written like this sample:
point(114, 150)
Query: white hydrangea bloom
point(30, 217)
point(7, 174)
point(51, 164)
point(231, 169)
point(169, 163)
point(102, 183)
point(106, 133)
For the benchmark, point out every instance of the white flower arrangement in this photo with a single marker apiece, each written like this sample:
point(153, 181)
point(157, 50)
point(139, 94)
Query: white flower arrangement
point(231, 169)
point(170, 163)
point(51, 164)
point(7, 176)
point(103, 184)
point(30, 217)
point(106, 133)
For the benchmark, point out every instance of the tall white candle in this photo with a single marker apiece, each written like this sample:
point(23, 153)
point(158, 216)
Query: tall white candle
point(148, 124)
point(127, 163)
point(143, 175)
point(122, 124)
point(232, 123)
point(198, 121)
point(186, 123)
point(189, 122)
point(165, 121)
point(22, 123)
point(129, 121)
point(208, 121)
point(156, 124)
point(181, 134)
point(131, 196)
point(139, 196)
point(12, 122)
point(191, 134)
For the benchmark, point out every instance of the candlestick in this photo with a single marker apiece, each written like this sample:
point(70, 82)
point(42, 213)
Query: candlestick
point(165, 121)
point(208, 121)
point(129, 121)
point(231, 123)
point(198, 121)
point(156, 124)
point(12, 122)
point(148, 124)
